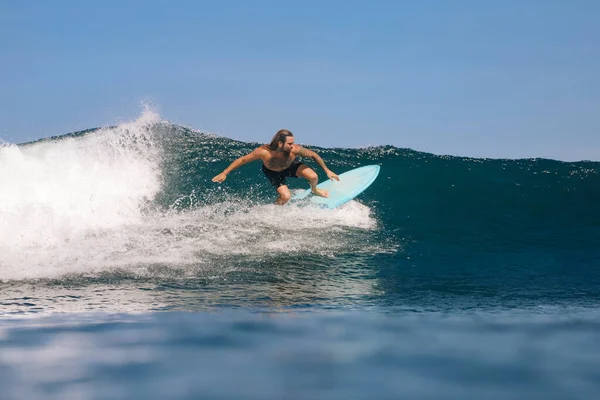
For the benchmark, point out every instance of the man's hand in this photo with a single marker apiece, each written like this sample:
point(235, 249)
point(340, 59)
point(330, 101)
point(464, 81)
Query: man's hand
point(220, 178)
point(331, 175)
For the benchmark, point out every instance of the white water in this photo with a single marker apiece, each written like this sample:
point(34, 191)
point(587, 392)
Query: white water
point(73, 206)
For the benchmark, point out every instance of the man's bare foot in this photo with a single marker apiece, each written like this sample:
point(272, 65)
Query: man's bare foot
point(320, 192)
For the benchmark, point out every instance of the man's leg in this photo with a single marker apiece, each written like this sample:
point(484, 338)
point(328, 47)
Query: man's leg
point(284, 195)
point(311, 176)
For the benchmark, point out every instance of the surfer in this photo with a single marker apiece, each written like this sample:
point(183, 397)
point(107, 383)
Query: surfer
point(279, 162)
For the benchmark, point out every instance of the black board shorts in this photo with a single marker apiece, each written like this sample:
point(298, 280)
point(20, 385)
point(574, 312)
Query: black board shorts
point(277, 178)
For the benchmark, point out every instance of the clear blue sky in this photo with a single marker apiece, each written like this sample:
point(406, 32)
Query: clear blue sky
point(478, 78)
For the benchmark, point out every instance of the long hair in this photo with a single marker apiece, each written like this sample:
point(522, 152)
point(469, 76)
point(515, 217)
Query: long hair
point(280, 137)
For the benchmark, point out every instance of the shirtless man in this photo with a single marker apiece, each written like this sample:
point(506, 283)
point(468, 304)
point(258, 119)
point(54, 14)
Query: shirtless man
point(279, 162)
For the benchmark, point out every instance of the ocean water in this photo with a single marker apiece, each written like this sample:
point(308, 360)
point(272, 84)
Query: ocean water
point(126, 273)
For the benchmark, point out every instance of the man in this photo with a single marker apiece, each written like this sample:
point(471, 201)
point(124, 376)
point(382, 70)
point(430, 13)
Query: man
point(279, 162)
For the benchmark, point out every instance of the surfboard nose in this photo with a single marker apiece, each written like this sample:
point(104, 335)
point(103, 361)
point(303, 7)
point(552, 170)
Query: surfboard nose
point(351, 184)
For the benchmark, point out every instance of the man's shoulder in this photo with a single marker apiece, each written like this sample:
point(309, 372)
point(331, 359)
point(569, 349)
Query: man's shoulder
point(262, 150)
point(299, 150)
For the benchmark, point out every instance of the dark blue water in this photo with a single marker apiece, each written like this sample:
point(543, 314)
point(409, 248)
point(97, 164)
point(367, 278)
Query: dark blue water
point(126, 273)
point(301, 356)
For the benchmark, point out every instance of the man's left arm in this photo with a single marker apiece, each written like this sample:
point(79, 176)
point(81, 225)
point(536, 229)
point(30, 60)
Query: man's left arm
point(311, 154)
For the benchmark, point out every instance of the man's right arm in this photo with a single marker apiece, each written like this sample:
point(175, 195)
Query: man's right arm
point(257, 154)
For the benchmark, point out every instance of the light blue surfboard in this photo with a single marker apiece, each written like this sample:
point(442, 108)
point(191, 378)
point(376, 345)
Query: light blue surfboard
point(351, 184)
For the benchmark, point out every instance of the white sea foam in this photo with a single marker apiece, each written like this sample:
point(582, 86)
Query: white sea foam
point(75, 206)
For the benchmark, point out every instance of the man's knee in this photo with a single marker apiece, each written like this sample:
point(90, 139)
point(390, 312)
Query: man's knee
point(309, 174)
point(285, 196)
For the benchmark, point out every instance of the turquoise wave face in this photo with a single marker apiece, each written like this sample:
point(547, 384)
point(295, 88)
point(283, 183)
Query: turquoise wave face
point(137, 202)
point(455, 199)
